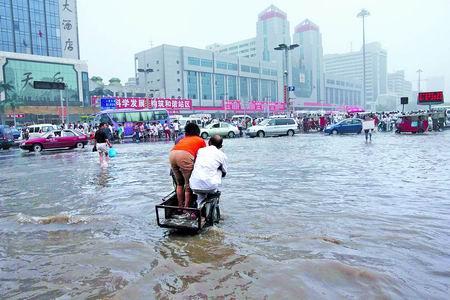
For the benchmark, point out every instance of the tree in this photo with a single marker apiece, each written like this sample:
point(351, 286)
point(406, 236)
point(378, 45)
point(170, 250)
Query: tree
point(6, 88)
point(114, 81)
point(101, 91)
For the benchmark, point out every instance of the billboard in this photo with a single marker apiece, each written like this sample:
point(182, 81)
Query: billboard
point(429, 98)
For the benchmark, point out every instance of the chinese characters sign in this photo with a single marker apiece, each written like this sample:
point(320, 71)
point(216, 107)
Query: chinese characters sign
point(430, 98)
point(142, 103)
point(69, 28)
point(255, 106)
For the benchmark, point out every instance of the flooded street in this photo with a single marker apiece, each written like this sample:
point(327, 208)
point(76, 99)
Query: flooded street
point(305, 217)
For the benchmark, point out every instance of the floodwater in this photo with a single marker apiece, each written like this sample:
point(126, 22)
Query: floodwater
point(308, 217)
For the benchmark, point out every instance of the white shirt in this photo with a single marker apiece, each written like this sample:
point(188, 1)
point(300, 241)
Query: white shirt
point(176, 126)
point(206, 174)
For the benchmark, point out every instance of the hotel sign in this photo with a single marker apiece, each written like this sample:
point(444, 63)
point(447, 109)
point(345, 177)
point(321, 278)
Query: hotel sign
point(69, 29)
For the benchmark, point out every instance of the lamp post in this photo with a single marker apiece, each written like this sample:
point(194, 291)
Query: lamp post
point(363, 14)
point(145, 71)
point(286, 49)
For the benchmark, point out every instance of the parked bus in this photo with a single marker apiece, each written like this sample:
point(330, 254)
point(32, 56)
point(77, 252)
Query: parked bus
point(130, 117)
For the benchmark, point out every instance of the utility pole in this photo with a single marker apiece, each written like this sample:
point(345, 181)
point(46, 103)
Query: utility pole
point(286, 49)
point(363, 14)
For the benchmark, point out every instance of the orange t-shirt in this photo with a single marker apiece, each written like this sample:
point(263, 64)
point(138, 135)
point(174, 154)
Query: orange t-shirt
point(190, 144)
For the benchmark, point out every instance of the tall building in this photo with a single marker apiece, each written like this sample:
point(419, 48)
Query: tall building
point(272, 29)
point(205, 77)
point(350, 65)
point(397, 85)
point(40, 27)
point(39, 42)
point(307, 62)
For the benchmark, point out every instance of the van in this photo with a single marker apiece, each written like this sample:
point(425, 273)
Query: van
point(6, 137)
point(274, 127)
point(184, 121)
point(39, 129)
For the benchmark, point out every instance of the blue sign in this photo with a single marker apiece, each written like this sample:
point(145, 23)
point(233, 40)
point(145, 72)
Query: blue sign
point(291, 88)
point(108, 103)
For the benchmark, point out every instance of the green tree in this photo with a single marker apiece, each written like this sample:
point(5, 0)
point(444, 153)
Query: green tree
point(10, 101)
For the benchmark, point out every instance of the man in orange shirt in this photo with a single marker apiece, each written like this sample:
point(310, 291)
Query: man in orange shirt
point(182, 158)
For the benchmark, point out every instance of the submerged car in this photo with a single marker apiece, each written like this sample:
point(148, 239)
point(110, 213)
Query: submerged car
point(6, 137)
point(56, 140)
point(222, 128)
point(274, 127)
point(345, 126)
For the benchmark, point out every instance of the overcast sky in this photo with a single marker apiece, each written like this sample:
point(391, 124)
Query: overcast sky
point(416, 33)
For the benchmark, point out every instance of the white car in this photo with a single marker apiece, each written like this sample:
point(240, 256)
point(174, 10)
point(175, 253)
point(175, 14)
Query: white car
point(274, 127)
point(222, 128)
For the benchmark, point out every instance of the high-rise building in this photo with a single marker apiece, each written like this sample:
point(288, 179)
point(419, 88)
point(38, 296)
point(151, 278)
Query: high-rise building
point(397, 85)
point(205, 77)
point(307, 62)
point(40, 27)
point(39, 42)
point(272, 29)
point(350, 65)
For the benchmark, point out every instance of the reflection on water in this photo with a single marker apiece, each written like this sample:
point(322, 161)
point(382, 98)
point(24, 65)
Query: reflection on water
point(305, 217)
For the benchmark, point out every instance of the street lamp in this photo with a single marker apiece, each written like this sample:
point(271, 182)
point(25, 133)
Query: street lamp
point(363, 14)
point(145, 71)
point(286, 49)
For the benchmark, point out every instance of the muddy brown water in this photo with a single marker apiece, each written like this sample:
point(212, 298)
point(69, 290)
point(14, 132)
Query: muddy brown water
point(308, 217)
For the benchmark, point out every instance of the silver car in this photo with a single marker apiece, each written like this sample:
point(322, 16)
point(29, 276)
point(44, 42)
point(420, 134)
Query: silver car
point(274, 127)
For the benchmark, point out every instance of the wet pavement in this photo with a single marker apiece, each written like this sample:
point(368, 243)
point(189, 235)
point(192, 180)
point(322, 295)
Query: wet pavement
point(305, 217)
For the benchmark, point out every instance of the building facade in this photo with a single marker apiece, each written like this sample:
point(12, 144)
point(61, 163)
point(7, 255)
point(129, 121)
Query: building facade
point(397, 85)
point(21, 70)
point(307, 62)
point(341, 92)
point(350, 65)
point(39, 27)
point(39, 42)
point(205, 77)
point(244, 48)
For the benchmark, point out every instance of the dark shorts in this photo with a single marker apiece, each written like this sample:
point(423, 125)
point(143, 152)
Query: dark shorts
point(182, 164)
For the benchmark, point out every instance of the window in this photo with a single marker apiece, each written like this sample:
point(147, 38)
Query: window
point(161, 115)
point(216, 125)
point(254, 70)
point(254, 89)
point(192, 85)
point(178, 62)
point(273, 72)
point(68, 133)
point(232, 87)
point(206, 63)
point(266, 71)
point(232, 67)
point(147, 115)
point(178, 79)
point(243, 85)
point(221, 65)
point(133, 116)
point(245, 68)
point(157, 62)
point(104, 118)
point(224, 125)
point(118, 117)
point(205, 79)
point(194, 61)
point(220, 86)
point(280, 122)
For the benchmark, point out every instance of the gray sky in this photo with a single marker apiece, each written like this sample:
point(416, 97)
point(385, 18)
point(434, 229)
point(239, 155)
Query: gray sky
point(416, 33)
